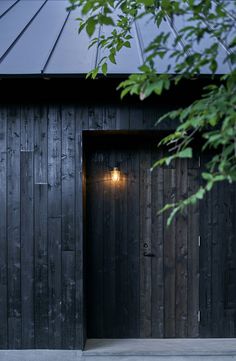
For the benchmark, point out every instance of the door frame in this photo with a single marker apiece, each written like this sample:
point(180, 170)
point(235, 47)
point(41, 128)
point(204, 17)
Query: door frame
point(87, 137)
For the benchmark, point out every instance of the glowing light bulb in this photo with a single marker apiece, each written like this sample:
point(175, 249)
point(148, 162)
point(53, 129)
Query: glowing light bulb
point(115, 175)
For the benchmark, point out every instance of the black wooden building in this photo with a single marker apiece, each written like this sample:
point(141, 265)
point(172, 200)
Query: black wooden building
point(81, 256)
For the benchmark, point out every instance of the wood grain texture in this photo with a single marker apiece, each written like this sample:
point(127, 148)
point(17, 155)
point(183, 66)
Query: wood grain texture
point(205, 265)
point(122, 119)
point(27, 248)
point(169, 256)
point(54, 283)
point(95, 246)
point(133, 241)
point(81, 117)
point(157, 249)
point(136, 117)
point(81, 122)
point(27, 128)
point(193, 256)
point(109, 290)
point(3, 229)
point(54, 178)
point(122, 286)
point(14, 333)
point(68, 300)
point(145, 245)
point(68, 179)
point(181, 292)
point(41, 325)
point(95, 117)
point(40, 144)
point(13, 232)
point(44, 263)
point(109, 117)
point(217, 253)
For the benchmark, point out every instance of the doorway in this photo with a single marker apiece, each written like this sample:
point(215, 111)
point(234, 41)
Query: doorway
point(142, 278)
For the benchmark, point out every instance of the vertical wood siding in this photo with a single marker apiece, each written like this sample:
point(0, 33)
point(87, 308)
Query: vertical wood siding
point(14, 308)
point(41, 220)
point(3, 230)
point(42, 264)
point(143, 278)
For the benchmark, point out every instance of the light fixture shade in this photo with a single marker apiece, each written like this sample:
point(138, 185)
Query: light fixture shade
point(115, 175)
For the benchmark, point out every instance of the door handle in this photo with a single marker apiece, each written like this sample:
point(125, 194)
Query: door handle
point(149, 254)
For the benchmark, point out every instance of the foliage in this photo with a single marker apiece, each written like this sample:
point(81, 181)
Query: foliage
point(213, 117)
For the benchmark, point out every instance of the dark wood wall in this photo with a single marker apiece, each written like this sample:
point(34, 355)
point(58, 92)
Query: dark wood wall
point(40, 258)
point(218, 262)
point(41, 215)
point(143, 279)
point(41, 221)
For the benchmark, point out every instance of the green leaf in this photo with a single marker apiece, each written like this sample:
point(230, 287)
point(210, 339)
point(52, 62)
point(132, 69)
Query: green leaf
point(87, 7)
point(127, 44)
point(146, 2)
point(90, 27)
point(81, 27)
point(200, 193)
point(125, 92)
point(112, 58)
point(106, 20)
point(186, 153)
point(144, 68)
point(158, 87)
point(104, 68)
point(207, 176)
point(166, 208)
point(171, 217)
point(213, 65)
point(93, 73)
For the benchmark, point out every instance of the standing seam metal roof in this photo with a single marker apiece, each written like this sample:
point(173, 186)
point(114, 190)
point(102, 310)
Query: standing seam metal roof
point(40, 38)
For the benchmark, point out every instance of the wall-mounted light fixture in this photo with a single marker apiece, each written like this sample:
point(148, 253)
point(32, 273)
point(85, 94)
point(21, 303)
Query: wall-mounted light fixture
point(115, 175)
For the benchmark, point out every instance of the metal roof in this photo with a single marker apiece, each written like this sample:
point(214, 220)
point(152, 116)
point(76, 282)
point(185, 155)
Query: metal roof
point(40, 38)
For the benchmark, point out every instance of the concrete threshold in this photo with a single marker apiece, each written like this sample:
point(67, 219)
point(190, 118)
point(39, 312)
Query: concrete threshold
point(179, 349)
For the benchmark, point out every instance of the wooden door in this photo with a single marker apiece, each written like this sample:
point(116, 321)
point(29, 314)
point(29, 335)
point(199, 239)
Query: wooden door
point(218, 262)
point(144, 279)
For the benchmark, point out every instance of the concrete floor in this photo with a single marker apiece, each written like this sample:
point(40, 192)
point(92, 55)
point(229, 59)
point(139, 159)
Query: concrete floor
point(40, 355)
point(160, 350)
point(160, 347)
point(135, 350)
